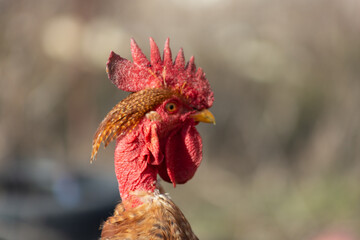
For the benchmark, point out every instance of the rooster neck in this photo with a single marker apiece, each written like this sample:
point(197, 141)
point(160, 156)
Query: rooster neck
point(132, 168)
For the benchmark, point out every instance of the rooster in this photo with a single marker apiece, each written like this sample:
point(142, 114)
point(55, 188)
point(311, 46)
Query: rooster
point(155, 133)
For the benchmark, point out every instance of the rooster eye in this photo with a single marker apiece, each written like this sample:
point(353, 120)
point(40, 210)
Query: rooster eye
point(171, 107)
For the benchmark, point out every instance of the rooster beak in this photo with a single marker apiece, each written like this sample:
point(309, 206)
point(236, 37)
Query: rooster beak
point(204, 116)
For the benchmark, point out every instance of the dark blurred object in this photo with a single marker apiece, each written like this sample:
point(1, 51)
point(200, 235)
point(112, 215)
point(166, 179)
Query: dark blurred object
point(41, 200)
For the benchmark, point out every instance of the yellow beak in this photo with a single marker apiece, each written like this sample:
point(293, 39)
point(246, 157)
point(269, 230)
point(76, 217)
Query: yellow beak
point(204, 116)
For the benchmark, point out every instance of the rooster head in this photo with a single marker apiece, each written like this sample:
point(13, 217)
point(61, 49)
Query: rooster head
point(155, 125)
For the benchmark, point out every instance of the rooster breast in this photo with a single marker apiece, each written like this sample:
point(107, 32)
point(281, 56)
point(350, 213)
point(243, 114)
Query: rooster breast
point(157, 218)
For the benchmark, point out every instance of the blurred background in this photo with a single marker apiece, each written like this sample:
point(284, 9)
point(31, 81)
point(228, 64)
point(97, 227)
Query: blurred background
point(282, 161)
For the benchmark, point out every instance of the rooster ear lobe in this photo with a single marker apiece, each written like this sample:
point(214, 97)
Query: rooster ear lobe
point(167, 53)
point(138, 56)
point(154, 53)
point(153, 145)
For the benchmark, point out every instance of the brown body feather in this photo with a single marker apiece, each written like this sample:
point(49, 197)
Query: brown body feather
point(157, 219)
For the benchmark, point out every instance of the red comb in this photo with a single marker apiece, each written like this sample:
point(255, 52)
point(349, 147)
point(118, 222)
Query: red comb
point(160, 73)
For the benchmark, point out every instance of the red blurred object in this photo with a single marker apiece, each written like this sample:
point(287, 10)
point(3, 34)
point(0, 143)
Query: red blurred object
point(335, 235)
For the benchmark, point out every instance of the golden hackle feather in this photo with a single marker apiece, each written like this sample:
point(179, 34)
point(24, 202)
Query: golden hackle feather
point(157, 218)
point(127, 114)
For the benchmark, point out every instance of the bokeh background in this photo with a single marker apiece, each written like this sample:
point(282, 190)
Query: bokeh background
point(282, 161)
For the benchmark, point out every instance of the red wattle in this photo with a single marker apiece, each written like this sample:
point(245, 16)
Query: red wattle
point(183, 155)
